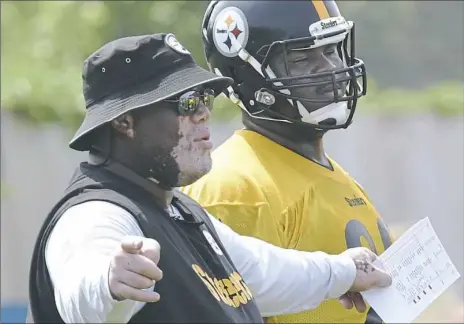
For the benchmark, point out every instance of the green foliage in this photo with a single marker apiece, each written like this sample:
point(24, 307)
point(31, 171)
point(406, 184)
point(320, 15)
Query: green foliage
point(409, 44)
point(445, 99)
point(44, 44)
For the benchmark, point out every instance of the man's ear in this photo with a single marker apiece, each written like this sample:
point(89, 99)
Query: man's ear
point(124, 125)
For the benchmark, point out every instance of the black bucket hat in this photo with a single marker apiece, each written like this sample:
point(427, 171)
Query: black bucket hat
point(135, 72)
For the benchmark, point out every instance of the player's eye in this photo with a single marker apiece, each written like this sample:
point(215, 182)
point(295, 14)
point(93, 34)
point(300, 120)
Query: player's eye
point(299, 59)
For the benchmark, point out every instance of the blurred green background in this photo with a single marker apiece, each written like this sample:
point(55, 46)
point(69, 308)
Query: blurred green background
point(414, 53)
point(413, 50)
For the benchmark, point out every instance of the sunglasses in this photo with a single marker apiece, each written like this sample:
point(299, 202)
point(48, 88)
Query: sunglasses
point(189, 102)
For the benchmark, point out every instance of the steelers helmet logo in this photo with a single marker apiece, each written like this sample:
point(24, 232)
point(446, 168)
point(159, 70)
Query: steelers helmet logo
point(173, 43)
point(212, 242)
point(230, 31)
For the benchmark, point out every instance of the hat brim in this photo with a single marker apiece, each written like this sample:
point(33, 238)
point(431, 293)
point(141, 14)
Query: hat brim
point(142, 95)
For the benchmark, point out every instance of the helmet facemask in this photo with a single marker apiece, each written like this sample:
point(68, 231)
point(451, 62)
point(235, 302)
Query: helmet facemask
point(341, 86)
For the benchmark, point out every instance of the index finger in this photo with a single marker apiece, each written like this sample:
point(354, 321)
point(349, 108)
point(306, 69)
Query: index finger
point(151, 249)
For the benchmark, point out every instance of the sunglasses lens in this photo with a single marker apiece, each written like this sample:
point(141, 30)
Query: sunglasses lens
point(208, 98)
point(190, 101)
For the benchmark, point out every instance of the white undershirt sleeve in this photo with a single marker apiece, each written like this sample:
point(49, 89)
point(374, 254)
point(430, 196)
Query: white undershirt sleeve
point(78, 255)
point(285, 281)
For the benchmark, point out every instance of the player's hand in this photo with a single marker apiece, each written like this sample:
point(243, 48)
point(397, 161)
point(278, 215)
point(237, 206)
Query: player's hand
point(368, 276)
point(134, 269)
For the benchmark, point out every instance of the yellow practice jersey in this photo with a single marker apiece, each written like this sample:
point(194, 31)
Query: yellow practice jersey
point(262, 189)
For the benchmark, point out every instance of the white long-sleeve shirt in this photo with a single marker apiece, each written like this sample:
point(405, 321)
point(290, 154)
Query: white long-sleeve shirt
point(81, 245)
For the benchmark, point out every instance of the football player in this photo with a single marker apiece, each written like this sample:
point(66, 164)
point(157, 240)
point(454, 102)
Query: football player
point(296, 77)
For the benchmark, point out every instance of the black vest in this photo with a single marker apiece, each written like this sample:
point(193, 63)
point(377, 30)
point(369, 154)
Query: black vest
point(200, 283)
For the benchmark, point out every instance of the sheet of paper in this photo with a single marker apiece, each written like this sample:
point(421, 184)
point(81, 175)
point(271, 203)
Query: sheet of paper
point(421, 271)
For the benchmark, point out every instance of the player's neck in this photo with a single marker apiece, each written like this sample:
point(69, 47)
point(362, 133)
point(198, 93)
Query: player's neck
point(301, 141)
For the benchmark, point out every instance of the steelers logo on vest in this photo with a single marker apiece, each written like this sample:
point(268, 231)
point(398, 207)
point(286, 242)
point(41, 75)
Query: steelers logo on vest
point(212, 242)
point(230, 31)
point(171, 41)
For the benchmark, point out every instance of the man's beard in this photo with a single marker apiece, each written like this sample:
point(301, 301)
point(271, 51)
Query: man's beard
point(163, 168)
point(154, 161)
point(171, 167)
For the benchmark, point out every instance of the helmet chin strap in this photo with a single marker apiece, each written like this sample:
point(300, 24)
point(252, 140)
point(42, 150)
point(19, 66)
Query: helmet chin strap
point(336, 110)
